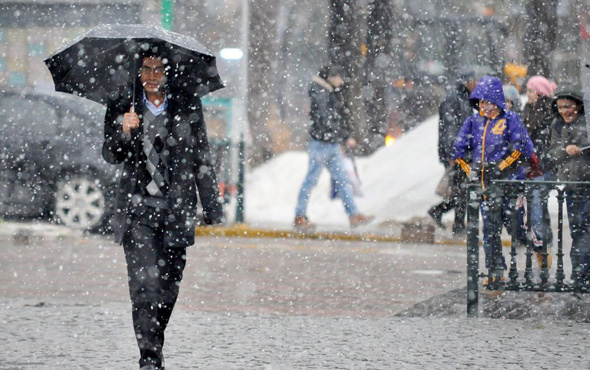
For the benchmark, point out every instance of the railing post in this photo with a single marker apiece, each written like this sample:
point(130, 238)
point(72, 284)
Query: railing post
point(513, 272)
point(560, 273)
point(575, 231)
point(528, 266)
point(473, 251)
point(544, 274)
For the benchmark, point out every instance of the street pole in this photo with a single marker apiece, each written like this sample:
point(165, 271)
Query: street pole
point(167, 14)
point(240, 211)
point(245, 28)
point(245, 46)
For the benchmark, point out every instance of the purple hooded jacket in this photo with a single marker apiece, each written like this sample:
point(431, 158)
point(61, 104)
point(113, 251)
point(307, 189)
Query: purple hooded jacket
point(494, 144)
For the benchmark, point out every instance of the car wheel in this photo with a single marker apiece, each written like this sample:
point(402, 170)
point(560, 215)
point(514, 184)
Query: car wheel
point(80, 203)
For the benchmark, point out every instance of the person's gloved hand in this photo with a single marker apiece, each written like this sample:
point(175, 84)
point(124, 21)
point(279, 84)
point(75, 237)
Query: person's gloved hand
point(464, 166)
point(508, 161)
point(535, 170)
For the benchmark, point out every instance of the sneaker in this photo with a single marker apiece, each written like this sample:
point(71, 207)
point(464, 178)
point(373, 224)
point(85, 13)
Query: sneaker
point(302, 223)
point(540, 259)
point(437, 217)
point(359, 219)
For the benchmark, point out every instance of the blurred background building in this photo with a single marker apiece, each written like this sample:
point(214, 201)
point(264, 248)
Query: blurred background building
point(31, 30)
point(405, 51)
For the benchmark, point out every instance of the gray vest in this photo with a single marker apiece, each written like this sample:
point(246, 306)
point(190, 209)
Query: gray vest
point(155, 136)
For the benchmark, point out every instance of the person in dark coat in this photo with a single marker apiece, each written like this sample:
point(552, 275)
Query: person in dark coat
point(568, 154)
point(329, 131)
point(538, 116)
point(496, 141)
point(161, 140)
point(453, 111)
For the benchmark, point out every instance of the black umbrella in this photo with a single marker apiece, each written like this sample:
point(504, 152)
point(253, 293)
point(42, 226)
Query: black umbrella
point(106, 59)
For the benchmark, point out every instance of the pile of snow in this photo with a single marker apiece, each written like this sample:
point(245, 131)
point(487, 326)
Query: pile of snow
point(398, 183)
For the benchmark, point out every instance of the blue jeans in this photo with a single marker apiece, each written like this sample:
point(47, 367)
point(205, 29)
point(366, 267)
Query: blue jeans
point(540, 221)
point(329, 155)
point(578, 213)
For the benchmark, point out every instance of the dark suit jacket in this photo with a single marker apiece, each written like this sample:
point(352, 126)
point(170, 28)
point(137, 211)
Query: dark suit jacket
point(190, 167)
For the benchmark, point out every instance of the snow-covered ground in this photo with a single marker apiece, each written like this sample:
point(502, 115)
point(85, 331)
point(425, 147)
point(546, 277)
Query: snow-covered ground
point(398, 184)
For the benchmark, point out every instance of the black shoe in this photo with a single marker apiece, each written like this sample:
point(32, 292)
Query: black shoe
point(437, 217)
point(152, 367)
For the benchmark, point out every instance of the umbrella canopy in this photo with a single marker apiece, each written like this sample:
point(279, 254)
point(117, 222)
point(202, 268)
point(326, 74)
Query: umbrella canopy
point(106, 59)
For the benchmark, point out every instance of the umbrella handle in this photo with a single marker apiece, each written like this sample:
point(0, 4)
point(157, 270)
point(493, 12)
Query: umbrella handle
point(133, 94)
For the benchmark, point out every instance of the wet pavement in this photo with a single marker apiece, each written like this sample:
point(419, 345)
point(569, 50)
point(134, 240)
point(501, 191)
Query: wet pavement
point(252, 276)
point(260, 304)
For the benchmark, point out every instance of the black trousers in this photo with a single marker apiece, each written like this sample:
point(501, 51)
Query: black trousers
point(154, 274)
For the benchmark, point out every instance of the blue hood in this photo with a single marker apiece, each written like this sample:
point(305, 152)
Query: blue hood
point(489, 88)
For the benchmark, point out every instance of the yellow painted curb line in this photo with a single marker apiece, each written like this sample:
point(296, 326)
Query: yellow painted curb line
point(505, 243)
point(243, 230)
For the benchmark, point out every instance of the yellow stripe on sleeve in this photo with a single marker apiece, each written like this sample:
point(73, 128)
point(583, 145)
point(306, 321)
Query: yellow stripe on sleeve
point(464, 166)
point(509, 160)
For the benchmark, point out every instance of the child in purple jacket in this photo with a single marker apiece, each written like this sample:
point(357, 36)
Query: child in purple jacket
point(496, 140)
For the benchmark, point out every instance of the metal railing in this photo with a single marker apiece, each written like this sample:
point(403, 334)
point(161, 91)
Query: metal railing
point(576, 194)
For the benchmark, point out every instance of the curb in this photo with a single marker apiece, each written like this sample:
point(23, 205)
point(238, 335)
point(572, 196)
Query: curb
point(243, 230)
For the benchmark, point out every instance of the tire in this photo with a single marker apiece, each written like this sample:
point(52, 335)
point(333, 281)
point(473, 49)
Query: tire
point(80, 203)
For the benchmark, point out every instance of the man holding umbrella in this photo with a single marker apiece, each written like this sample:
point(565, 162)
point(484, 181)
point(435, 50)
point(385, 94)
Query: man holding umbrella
point(160, 137)
point(151, 81)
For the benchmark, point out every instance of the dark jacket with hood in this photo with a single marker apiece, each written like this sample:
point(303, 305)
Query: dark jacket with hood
point(569, 168)
point(496, 144)
point(453, 111)
point(329, 122)
point(190, 167)
point(537, 119)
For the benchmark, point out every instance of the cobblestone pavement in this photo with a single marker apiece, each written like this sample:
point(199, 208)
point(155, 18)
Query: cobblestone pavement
point(99, 337)
point(261, 304)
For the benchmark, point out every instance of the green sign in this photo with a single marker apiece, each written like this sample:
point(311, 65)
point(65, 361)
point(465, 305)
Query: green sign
point(167, 14)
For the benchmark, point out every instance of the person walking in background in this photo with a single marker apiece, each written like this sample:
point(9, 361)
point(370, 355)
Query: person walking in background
point(496, 140)
point(329, 130)
point(453, 111)
point(161, 140)
point(538, 115)
point(568, 153)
